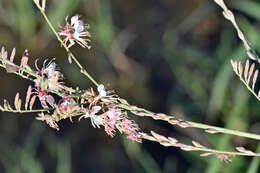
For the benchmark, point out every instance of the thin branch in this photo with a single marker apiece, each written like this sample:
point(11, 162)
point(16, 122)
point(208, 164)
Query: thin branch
point(230, 16)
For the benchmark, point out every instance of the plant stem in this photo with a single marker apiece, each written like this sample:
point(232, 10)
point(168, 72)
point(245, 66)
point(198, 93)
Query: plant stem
point(223, 130)
point(167, 142)
point(26, 111)
point(175, 121)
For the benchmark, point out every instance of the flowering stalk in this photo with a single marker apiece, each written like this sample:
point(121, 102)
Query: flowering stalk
point(122, 104)
point(105, 108)
point(82, 70)
point(230, 16)
point(222, 155)
point(185, 124)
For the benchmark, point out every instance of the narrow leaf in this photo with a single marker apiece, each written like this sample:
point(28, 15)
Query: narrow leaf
point(183, 124)
point(160, 137)
point(28, 95)
point(69, 58)
point(212, 131)
point(25, 58)
point(240, 149)
point(240, 69)
point(12, 55)
point(32, 102)
point(246, 70)
point(254, 79)
point(19, 104)
point(172, 140)
point(206, 154)
point(243, 150)
point(196, 144)
point(3, 53)
point(16, 100)
point(234, 65)
point(251, 72)
point(11, 68)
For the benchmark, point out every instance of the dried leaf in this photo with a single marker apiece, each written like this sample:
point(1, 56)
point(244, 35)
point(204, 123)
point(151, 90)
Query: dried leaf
point(19, 104)
point(28, 95)
point(32, 102)
point(212, 131)
point(196, 144)
point(234, 65)
point(186, 147)
point(165, 143)
point(148, 137)
point(240, 149)
point(184, 124)
point(160, 137)
point(246, 70)
point(174, 121)
point(240, 69)
point(4, 53)
point(243, 150)
point(69, 58)
point(254, 79)
point(172, 140)
point(206, 154)
point(16, 101)
point(250, 72)
point(11, 68)
point(25, 58)
point(12, 55)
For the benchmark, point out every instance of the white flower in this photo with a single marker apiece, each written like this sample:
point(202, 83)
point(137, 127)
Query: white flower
point(101, 90)
point(93, 111)
point(50, 69)
point(75, 31)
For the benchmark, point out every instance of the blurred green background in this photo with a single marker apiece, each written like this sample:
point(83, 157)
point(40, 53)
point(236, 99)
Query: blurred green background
point(167, 56)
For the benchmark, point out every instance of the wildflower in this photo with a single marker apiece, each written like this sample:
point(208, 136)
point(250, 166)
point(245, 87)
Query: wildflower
point(67, 106)
point(224, 157)
point(96, 120)
point(49, 119)
point(101, 90)
point(112, 117)
point(49, 72)
point(44, 97)
point(131, 129)
point(75, 31)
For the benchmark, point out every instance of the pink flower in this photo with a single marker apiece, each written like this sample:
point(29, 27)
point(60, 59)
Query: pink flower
point(75, 31)
point(112, 117)
point(224, 157)
point(130, 129)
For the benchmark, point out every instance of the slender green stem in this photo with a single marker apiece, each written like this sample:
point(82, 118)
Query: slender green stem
point(167, 142)
point(248, 87)
point(223, 130)
point(26, 111)
point(233, 153)
point(84, 71)
point(170, 119)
